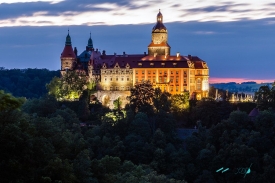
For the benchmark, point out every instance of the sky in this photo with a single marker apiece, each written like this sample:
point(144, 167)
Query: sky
point(235, 37)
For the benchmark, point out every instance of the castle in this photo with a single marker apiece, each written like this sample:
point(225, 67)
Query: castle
point(116, 74)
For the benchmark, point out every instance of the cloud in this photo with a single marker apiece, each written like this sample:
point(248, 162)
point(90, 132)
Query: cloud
point(118, 12)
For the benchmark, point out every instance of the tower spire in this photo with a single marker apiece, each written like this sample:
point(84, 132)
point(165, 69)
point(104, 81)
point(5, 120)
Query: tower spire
point(68, 39)
point(90, 42)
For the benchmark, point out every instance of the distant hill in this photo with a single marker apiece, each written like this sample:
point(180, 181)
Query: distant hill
point(250, 86)
point(29, 83)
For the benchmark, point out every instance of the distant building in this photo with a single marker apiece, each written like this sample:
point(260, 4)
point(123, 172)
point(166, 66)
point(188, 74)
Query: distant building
point(116, 74)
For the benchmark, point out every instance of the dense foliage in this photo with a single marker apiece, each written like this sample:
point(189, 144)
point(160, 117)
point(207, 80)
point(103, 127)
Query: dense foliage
point(29, 83)
point(45, 140)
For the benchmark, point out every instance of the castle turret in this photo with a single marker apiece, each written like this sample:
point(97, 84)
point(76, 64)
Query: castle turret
point(68, 56)
point(159, 44)
point(90, 44)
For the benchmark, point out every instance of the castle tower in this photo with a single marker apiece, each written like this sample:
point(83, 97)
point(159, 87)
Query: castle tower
point(159, 44)
point(90, 44)
point(68, 56)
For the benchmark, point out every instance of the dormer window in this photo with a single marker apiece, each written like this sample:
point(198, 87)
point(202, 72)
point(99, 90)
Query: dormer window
point(140, 64)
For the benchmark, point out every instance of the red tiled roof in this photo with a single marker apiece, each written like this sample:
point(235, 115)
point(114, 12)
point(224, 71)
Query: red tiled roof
point(68, 52)
point(141, 61)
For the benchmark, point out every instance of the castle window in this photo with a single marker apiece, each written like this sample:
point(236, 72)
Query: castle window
point(165, 79)
point(160, 72)
point(122, 88)
point(177, 79)
point(122, 78)
point(160, 79)
point(111, 79)
point(172, 79)
point(154, 72)
point(184, 81)
point(185, 73)
point(111, 88)
point(143, 78)
point(165, 72)
point(177, 72)
point(142, 71)
point(136, 72)
point(154, 79)
point(184, 88)
point(105, 79)
point(171, 88)
point(127, 88)
point(171, 72)
point(149, 78)
point(162, 63)
point(117, 88)
point(136, 80)
point(177, 88)
point(151, 63)
point(174, 63)
point(140, 64)
point(199, 72)
point(149, 72)
point(117, 78)
point(128, 79)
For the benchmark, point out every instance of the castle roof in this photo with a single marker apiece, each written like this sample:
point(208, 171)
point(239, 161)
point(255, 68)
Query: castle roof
point(141, 61)
point(159, 25)
point(68, 52)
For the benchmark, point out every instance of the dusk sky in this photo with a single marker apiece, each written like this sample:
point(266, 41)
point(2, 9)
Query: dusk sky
point(235, 37)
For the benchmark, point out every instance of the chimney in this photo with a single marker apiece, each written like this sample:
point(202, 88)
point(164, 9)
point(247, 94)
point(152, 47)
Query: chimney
point(103, 52)
point(178, 54)
point(144, 53)
point(190, 57)
point(96, 50)
point(124, 53)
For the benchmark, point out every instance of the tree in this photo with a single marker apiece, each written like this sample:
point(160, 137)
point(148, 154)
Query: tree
point(262, 97)
point(180, 102)
point(117, 104)
point(8, 104)
point(162, 100)
point(141, 97)
point(68, 87)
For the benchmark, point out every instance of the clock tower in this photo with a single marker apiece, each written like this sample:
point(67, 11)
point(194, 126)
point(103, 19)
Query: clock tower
point(159, 45)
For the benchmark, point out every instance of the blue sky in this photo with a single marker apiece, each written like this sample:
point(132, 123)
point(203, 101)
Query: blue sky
point(235, 38)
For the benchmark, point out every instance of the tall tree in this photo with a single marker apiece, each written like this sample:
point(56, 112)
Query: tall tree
point(141, 97)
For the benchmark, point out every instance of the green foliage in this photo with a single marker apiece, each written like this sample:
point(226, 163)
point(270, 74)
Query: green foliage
point(69, 86)
point(180, 102)
point(44, 142)
point(29, 83)
point(117, 104)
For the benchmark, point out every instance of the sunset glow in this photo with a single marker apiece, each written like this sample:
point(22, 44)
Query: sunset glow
point(238, 80)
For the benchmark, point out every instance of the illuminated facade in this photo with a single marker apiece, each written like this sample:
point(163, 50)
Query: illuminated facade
point(116, 74)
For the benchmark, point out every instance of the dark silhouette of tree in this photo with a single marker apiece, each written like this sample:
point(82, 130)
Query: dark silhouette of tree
point(141, 97)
